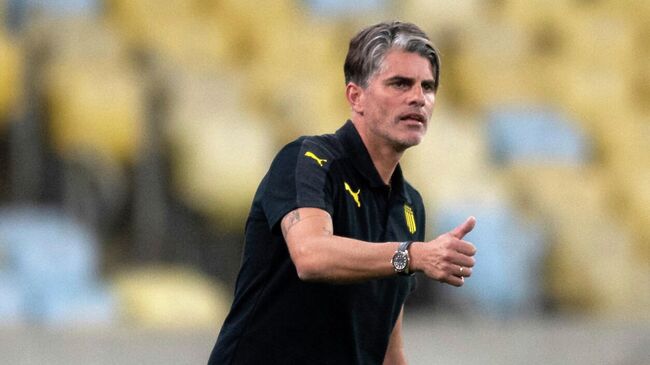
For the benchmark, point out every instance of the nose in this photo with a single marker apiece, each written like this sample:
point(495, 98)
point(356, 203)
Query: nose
point(417, 96)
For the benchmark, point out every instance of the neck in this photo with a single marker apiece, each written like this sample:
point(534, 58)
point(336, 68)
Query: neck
point(384, 156)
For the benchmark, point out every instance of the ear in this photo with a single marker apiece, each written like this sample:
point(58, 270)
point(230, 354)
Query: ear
point(354, 94)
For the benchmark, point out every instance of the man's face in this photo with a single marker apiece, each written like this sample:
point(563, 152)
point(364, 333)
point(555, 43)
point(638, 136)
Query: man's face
point(398, 101)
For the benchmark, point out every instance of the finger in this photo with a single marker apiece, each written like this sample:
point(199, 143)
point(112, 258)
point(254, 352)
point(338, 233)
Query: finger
point(464, 271)
point(459, 259)
point(460, 231)
point(465, 248)
point(455, 280)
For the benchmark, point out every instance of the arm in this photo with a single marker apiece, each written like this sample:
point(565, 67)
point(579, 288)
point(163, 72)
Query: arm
point(319, 255)
point(395, 351)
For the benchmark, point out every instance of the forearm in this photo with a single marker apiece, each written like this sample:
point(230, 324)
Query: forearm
point(319, 255)
point(341, 259)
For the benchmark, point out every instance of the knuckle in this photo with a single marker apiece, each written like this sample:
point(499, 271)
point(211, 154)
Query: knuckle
point(446, 256)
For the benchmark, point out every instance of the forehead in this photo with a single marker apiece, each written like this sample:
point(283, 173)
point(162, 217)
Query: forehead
point(405, 64)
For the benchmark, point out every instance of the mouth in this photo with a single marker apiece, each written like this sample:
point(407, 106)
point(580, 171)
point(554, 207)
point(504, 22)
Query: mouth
point(414, 116)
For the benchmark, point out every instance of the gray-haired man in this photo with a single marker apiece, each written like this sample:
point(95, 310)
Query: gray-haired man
point(335, 232)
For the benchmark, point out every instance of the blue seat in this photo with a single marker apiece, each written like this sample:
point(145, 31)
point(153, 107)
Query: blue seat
point(62, 7)
point(535, 134)
point(54, 261)
point(11, 300)
point(343, 8)
point(92, 304)
point(506, 280)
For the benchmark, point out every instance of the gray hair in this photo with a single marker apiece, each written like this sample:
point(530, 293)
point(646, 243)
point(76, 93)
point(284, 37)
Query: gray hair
point(369, 47)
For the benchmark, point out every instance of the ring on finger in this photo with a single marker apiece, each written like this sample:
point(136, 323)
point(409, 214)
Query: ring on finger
point(461, 270)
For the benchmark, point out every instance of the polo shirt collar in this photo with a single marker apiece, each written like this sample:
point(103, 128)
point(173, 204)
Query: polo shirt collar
point(360, 157)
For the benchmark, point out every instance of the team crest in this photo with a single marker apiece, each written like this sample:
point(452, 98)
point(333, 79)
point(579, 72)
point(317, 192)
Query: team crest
point(410, 219)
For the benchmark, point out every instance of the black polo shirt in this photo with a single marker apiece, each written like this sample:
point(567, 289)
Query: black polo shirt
point(278, 319)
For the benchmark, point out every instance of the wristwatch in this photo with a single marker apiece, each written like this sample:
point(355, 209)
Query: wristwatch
point(401, 259)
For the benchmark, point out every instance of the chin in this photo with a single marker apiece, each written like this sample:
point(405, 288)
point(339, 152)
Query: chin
point(414, 138)
point(408, 142)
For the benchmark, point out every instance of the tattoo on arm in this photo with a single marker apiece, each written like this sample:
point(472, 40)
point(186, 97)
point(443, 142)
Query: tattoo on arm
point(294, 217)
point(289, 221)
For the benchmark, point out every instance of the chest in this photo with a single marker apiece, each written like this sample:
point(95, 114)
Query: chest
point(374, 214)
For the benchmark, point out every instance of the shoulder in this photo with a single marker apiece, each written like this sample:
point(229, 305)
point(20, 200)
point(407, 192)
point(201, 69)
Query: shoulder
point(328, 145)
point(322, 150)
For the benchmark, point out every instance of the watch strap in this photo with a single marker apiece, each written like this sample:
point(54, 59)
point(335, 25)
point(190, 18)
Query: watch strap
point(404, 246)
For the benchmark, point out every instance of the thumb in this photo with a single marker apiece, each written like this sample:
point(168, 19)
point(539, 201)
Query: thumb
point(460, 231)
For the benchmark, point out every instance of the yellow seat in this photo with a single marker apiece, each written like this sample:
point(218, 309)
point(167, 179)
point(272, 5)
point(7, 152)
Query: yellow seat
point(219, 151)
point(492, 67)
point(108, 119)
point(95, 99)
point(627, 158)
point(592, 266)
point(451, 164)
point(302, 91)
point(140, 20)
point(635, 198)
point(527, 15)
point(169, 297)
point(11, 78)
point(435, 16)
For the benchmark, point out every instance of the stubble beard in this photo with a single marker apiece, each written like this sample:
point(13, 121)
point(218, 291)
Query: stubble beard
point(398, 144)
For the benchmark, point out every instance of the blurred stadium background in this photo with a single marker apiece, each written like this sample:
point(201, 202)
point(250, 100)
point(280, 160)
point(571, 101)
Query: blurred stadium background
point(134, 132)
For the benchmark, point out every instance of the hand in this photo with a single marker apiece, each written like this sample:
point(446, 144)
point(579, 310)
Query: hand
point(448, 258)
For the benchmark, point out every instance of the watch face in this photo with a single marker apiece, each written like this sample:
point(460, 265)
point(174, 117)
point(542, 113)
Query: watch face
point(400, 260)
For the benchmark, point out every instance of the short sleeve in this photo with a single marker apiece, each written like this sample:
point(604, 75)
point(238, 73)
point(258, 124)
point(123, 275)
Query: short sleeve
point(298, 178)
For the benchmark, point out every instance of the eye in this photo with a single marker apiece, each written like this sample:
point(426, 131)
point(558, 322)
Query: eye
point(428, 87)
point(401, 84)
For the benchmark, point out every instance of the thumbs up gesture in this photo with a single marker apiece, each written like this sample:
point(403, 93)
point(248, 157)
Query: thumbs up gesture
point(448, 258)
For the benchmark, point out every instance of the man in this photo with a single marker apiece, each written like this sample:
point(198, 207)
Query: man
point(335, 232)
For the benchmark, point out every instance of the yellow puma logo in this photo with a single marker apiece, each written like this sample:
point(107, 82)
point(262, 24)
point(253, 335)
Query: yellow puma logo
point(355, 196)
point(320, 161)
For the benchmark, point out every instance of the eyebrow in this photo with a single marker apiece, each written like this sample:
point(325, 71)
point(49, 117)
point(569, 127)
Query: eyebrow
point(393, 79)
point(429, 82)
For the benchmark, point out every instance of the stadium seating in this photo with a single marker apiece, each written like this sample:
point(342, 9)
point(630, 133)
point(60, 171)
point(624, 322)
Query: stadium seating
point(109, 119)
point(540, 130)
point(449, 168)
point(535, 134)
point(437, 16)
point(627, 156)
point(590, 265)
point(220, 153)
point(169, 297)
point(452, 161)
point(12, 297)
point(54, 262)
point(11, 77)
point(507, 281)
point(175, 33)
point(62, 8)
point(493, 66)
point(343, 8)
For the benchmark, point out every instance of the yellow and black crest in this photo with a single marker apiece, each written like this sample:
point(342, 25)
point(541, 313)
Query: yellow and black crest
point(410, 219)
